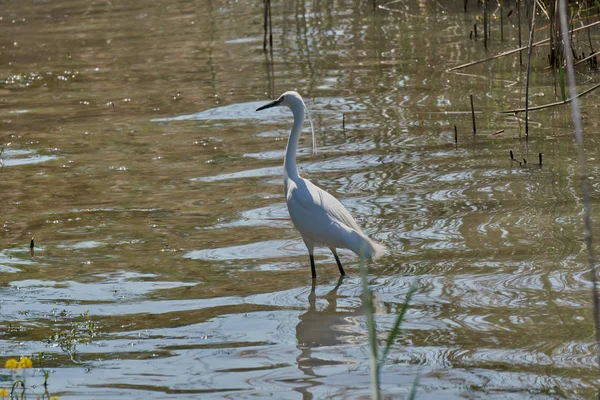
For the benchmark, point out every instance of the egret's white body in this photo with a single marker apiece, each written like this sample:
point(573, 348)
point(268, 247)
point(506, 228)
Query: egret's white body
point(319, 217)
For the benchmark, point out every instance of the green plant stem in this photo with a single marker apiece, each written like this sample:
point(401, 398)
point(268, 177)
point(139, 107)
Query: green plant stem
point(396, 328)
point(413, 390)
point(369, 314)
point(561, 75)
point(14, 386)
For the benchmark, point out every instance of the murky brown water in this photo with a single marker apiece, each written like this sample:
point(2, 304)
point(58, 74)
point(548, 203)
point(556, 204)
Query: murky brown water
point(134, 156)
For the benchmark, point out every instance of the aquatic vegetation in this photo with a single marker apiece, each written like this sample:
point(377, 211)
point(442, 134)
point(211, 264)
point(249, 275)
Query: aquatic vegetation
point(78, 331)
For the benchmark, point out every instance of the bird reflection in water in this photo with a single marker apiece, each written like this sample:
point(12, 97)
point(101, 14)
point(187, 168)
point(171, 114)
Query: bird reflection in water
point(326, 326)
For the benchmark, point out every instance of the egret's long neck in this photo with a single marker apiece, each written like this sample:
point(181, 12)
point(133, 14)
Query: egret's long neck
point(292, 147)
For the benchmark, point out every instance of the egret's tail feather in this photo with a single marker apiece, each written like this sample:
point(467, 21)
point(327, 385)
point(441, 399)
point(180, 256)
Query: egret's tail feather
point(367, 248)
point(376, 250)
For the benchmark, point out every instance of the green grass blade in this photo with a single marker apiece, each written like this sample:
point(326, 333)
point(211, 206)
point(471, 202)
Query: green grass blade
point(561, 74)
point(396, 328)
point(415, 386)
point(370, 316)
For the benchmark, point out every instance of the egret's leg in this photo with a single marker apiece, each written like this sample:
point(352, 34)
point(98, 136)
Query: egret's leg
point(339, 263)
point(312, 267)
point(310, 246)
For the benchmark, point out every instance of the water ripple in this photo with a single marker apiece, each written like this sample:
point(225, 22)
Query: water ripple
point(12, 157)
point(259, 250)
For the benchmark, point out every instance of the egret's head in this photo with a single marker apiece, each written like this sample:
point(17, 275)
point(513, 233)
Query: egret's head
point(290, 99)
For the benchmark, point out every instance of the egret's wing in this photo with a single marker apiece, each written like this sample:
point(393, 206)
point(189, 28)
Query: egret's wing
point(337, 210)
point(321, 219)
point(317, 203)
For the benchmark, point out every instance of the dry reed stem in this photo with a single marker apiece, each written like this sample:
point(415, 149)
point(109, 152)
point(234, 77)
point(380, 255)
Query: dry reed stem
point(507, 53)
point(265, 20)
point(519, 24)
point(473, 116)
point(485, 24)
point(531, 33)
point(582, 166)
point(267, 26)
point(587, 58)
point(558, 103)
point(270, 25)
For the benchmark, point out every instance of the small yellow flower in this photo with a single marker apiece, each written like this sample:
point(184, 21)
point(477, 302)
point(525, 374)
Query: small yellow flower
point(54, 398)
point(11, 363)
point(25, 362)
point(3, 393)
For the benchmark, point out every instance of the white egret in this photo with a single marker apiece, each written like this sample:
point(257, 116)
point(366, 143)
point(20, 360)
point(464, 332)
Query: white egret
point(319, 217)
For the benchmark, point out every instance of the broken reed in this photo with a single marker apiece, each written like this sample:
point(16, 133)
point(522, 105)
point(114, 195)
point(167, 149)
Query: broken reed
point(524, 162)
point(455, 135)
point(473, 116)
point(521, 48)
point(556, 56)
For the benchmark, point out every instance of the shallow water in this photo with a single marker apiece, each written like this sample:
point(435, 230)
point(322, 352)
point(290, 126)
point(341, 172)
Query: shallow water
point(134, 157)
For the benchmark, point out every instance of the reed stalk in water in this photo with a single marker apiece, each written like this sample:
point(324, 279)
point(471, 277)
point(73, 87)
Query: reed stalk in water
point(558, 103)
point(518, 49)
point(473, 116)
point(267, 25)
point(564, 26)
point(455, 135)
point(531, 32)
point(485, 24)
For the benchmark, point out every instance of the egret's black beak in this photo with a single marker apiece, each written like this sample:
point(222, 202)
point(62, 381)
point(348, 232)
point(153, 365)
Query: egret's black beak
point(271, 104)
